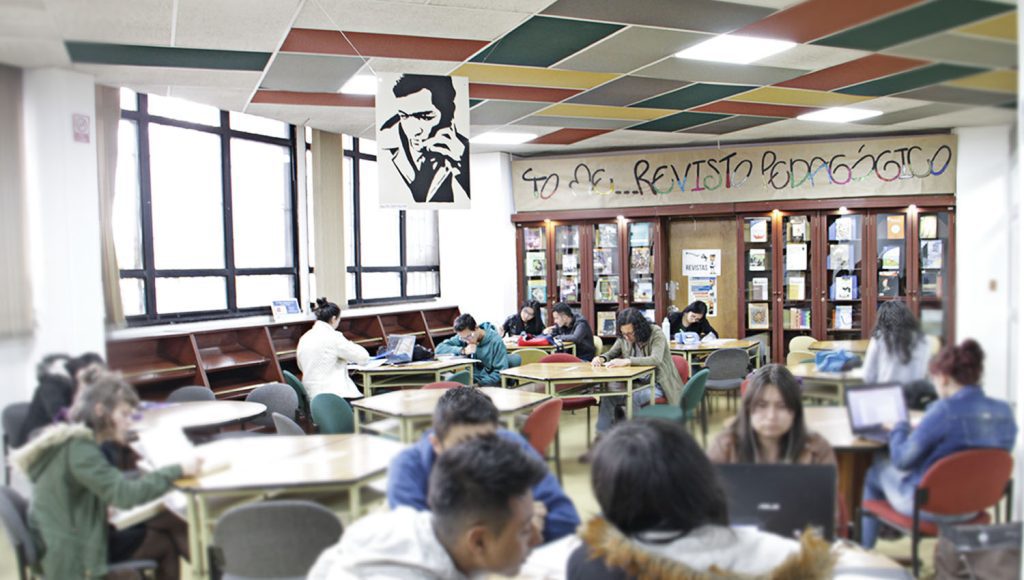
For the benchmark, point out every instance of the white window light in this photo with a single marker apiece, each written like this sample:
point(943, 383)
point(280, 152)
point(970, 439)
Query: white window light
point(500, 138)
point(839, 115)
point(360, 85)
point(735, 49)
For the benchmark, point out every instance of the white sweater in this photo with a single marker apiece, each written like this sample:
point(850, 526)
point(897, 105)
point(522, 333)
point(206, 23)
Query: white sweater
point(883, 366)
point(323, 355)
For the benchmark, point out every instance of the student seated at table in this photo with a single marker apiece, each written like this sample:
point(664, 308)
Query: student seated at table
point(898, 351)
point(479, 342)
point(74, 485)
point(770, 426)
point(962, 418)
point(664, 515)
point(481, 521)
point(640, 342)
point(574, 329)
point(526, 321)
point(59, 379)
point(323, 355)
point(462, 414)
point(693, 318)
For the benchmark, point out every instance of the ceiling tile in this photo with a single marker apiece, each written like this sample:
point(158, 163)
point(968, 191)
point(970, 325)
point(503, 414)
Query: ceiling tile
point(568, 136)
point(626, 91)
point(28, 22)
point(1004, 81)
point(310, 72)
point(929, 75)
point(634, 139)
point(698, 15)
point(30, 53)
point(160, 56)
point(799, 97)
point(232, 24)
point(773, 4)
point(632, 48)
point(808, 57)
point(524, 6)
point(602, 112)
point(410, 19)
point(731, 124)
point(514, 93)
point(222, 98)
point(955, 48)
point(407, 66)
point(915, 22)
point(683, 69)
point(576, 122)
point(693, 95)
point(501, 112)
point(1002, 27)
point(854, 72)
point(147, 22)
point(530, 76)
point(314, 99)
point(970, 117)
point(911, 114)
point(383, 45)
point(677, 122)
point(944, 94)
point(817, 18)
point(133, 76)
point(543, 41)
point(757, 109)
point(351, 121)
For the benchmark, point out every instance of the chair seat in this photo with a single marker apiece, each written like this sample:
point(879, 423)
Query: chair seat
point(662, 400)
point(670, 412)
point(723, 384)
point(576, 403)
point(884, 511)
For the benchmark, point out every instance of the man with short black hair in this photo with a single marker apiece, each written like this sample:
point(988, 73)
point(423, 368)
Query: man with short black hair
point(481, 521)
point(569, 326)
point(480, 342)
point(463, 414)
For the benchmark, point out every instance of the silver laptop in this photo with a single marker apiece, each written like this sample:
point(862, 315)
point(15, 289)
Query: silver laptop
point(872, 406)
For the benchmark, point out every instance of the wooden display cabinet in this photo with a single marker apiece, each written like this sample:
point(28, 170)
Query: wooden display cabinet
point(237, 360)
point(411, 322)
point(159, 364)
point(285, 338)
point(440, 323)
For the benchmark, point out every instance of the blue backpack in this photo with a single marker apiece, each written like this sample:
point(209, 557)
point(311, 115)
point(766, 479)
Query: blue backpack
point(835, 360)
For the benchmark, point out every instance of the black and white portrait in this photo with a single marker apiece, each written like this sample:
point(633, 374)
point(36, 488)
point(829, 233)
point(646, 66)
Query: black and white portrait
point(422, 141)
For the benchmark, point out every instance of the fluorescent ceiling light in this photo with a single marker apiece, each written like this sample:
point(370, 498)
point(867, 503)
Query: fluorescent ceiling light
point(499, 138)
point(360, 85)
point(839, 115)
point(735, 49)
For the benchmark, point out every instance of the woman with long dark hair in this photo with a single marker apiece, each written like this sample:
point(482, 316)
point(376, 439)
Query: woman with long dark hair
point(527, 321)
point(898, 351)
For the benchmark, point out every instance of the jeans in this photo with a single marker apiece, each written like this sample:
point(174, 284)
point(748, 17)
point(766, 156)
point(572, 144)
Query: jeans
point(885, 481)
point(606, 410)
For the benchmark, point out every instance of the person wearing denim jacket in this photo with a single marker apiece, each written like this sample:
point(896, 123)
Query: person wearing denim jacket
point(963, 418)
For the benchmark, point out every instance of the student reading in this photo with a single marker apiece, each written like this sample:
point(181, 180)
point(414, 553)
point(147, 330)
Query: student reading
point(693, 318)
point(480, 342)
point(323, 355)
point(573, 328)
point(526, 321)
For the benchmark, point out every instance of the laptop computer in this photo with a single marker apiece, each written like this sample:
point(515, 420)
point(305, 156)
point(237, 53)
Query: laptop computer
point(871, 406)
point(399, 349)
point(781, 498)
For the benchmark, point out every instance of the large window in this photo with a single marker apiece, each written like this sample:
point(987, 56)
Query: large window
point(204, 218)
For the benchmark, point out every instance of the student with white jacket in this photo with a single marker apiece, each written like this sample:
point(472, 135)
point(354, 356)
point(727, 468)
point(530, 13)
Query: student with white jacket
point(324, 353)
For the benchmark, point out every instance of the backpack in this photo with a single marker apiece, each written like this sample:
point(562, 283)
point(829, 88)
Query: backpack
point(835, 360)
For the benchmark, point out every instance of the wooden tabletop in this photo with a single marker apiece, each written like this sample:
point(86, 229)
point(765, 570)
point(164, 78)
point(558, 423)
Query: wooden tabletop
point(421, 403)
point(855, 346)
point(197, 414)
point(583, 371)
point(277, 461)
point(714, 344)
point(415, 367)
point(833, 423)
point(809, 370)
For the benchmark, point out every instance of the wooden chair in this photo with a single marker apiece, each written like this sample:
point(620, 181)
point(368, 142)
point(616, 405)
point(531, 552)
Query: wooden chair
point(541, 429)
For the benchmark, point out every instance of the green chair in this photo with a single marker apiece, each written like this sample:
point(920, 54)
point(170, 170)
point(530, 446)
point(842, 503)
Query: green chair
point(294, 382)
point(460, 377)
point(332, 414)
point(689, 402)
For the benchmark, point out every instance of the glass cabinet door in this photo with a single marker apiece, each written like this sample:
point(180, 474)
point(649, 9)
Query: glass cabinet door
point(535, 244)
point(757, 257)
point(641, 267)
point(845, 275)
point(607, 272)
point(891, 244)
point(567, 264)
point(796, 277)
point(933, 270)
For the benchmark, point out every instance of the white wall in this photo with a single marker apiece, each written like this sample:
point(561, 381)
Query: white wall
point(477, 246)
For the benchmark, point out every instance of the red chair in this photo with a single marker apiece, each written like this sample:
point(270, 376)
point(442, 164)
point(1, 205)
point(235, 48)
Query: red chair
point(442, 385)
point(965, 482)
point(541, 429)
point(683, 368)
point(571, 403)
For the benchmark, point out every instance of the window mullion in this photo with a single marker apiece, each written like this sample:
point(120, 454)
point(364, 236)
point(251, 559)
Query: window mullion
point(229, 222)
point(146, 208)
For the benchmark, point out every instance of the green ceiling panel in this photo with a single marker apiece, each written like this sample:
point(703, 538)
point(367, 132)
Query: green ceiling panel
point(922, 77)
point(691, 96)
point(678, 121)
point(543, 41)
point(165, 56)
point(928, 18)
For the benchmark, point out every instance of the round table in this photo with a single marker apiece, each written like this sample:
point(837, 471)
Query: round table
point(198, 414)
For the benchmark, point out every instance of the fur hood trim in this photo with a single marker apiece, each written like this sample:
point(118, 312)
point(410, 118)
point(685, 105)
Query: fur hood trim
point(814, 560)
point(53, 436)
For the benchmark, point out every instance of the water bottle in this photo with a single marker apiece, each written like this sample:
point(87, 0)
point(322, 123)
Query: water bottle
point(666, 328)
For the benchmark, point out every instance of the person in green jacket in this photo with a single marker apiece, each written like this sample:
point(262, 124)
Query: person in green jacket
point(74, 485)
point(640, 342)
point(480, 342)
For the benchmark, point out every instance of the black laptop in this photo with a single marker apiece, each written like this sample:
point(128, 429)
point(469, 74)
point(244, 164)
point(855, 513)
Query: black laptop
point(872, 406)
point(781, 498)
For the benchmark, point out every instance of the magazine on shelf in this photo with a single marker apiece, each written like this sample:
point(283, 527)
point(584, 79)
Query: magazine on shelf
point(538, 290)
point(643, 290)
point(757, 261)
point(648, 314)
point(894, 227)
point(567, 237)
point(796, 257)
point(890, 257)
point(604, 261)
point(928, 227)
point(607, 289)
point(844, 317)
point(845, 288)
point(889, 284)
point(795, 288)
point(759, 289)
point(842, 229)
point(568, 290)
point(640, 260)
point(536, 264)
point(570, 264)
point(798, 229)
point(840, 257)
point(759, 230)
point(931, 254)
point(757, 316)
point(931, 283)
point(606, 323)
point(796, 319)
point(607, 236)
point(534, 238)
point(640, 234)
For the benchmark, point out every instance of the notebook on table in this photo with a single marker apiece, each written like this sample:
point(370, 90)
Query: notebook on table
point(871, 407)
point(781, 498)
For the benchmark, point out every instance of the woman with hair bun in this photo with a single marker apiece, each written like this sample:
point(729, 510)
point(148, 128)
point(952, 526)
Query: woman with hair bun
point(323, 354)
point(963, 418)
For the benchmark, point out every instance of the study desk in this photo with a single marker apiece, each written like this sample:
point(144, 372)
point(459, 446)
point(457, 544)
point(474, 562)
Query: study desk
point(414, 374)
point(581, 374)
point(810, 375)
point(567, 346)
point(412, 407)
point(195, 414)
point(262, 467)
point(698, 353)
point(854, 346)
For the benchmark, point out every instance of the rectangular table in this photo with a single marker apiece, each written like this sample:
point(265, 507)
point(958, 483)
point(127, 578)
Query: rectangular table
point(410, 407)
point(261, 467)
point(855, 346)
point(582, 374)
point(697, 353)
point(415, 374)
point(810, 375)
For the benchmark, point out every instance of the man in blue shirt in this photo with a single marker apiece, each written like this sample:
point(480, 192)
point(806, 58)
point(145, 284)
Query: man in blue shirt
point(463, 414)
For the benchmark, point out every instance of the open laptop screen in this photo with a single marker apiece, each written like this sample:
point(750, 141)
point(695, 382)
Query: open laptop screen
point(399, 344)
point(874, 405)
point(781, 498)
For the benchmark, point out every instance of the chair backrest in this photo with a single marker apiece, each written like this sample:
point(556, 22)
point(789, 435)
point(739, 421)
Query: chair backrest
point(13, 421)
point(693, 391)
point(682, 367)
point(442, 385)
point(285, 426)
point(278, 398)
point(801, 343)
point(934, 344)
point(798, 356)
point(274, 539)
point(531, 355)
point(966, 481)
point(514, 360)
point(766, 344)
point(559, 357)
point(190, 394)
point(542, 425)
point(598, 345)
point(14, 516)
point(461, 377)
point(727, 363)
point(300, 390)
point(332, 414)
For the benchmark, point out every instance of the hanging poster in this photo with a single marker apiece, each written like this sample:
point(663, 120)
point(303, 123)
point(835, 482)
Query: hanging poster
point(705, 289)
point(423, 141)
point(702, 262)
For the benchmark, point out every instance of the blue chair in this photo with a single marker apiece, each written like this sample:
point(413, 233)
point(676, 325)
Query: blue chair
point(514, 360)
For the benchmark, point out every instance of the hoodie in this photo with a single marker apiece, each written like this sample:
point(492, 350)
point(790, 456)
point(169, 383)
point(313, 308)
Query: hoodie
point(490, 351)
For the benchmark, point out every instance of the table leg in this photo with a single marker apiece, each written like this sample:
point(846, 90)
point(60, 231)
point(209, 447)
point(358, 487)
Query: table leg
point(355, 501)
point(366, 385)
point(852, 468)
point(192, 517)
point(504, 382)
point(355, 417)
point(629, 399)
point(471, 381)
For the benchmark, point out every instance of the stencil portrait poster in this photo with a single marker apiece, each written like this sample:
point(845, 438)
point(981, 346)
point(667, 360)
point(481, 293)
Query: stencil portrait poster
point(423, 141)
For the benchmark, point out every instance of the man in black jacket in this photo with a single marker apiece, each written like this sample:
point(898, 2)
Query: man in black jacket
point(573, 328)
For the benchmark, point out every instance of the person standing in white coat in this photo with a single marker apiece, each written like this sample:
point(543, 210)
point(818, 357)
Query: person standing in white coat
point(324, 354)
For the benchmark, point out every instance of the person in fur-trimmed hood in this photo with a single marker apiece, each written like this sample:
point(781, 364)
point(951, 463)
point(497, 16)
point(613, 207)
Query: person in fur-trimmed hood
point(665, 518)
